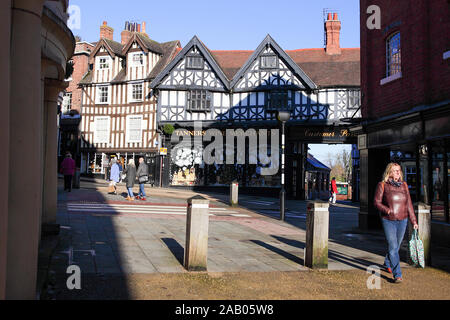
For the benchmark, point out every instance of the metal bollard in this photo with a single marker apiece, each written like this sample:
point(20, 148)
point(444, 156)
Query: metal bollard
point(234, 191)
point(317, 223)
point(423, 215)
point(197, 223)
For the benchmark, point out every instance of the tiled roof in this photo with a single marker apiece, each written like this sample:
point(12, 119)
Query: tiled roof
point(87, 78)
point(150, 44)
point(170, 49)
point(325, 70)
point(116, 47)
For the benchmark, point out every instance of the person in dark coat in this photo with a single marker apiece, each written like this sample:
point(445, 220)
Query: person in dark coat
point(130, 171)
point(142, 175)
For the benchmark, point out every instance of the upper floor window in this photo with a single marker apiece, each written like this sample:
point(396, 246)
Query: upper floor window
point(136, 91)
point(279, 100)
point(67, 102)
point(199, 100)
point(102, 94)
point(269, 62)
point(393, 55)
point(103, 63)
point(194, 62)
point(137, 59)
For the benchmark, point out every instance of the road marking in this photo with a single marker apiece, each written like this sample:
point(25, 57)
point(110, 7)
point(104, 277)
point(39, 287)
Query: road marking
point(131, 208)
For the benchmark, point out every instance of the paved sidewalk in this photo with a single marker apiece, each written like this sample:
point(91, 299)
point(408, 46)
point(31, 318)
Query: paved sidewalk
point(105, 235)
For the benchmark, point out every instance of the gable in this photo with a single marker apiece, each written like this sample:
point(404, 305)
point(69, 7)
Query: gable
point(269, 67)
point(185, 71)
point(186, 75)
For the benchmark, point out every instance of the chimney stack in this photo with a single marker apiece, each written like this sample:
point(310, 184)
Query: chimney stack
point(332, 29)
point(106, 31)
point(126, 33)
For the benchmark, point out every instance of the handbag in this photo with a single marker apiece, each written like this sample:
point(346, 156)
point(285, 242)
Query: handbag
point(143, 179)
point(416, 250)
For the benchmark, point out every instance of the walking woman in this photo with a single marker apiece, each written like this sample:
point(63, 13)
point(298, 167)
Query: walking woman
point(393, 200)
point(68, 170)
point(130, 171)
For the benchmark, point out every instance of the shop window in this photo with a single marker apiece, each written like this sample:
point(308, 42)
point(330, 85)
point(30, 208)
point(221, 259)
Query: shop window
point(393, 55)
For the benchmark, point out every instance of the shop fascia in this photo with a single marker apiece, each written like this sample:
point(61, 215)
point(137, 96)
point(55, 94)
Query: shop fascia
point(215, 153)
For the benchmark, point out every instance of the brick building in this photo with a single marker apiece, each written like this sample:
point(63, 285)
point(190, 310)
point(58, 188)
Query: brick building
point(405, 83)
point(70, 115)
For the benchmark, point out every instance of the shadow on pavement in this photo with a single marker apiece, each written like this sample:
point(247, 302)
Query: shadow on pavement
point(279, 251)
point(176, 249)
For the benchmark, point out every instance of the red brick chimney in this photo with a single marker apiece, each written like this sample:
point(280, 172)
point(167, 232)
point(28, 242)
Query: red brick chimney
point(333, 29)
point(126, 35)
point(106, 31)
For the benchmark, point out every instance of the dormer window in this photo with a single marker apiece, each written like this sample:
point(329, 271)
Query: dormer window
point(269, 62)
point(194, 62)
point(137, 59)
point(103, 63)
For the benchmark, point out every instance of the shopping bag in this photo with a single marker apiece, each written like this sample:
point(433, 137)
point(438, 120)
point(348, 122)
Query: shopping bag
point(416, 250)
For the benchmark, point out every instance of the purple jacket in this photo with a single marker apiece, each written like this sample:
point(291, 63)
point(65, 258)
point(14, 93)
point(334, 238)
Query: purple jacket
point(68, 167)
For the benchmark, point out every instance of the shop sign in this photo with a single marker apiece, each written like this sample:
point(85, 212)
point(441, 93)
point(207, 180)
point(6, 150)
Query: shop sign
point(163, 151)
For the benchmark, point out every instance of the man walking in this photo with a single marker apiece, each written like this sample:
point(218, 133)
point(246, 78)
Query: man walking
point(142, 174)
point(333, 191)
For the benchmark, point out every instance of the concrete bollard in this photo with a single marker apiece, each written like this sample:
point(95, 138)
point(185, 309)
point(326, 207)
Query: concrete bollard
point(316, 251)
point(197, 223)
point(423, 215)
point(234, 191)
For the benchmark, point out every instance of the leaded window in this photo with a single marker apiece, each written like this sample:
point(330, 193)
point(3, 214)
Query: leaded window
point(138, 59)
point(393, 55)
point(103, 94)
point(269, 62)
point(194, 62)
point(103, 63)
point(199, 100)
point(279, 100)
point(136, 91)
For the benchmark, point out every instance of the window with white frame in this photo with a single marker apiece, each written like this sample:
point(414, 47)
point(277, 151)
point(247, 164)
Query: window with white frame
point(67, 102)
point(134, 129)
point(393, 55)
point(103, 62)
point(102, 94)
point(136, 91)
point(199, 100)
point(137, 59)
point(269, 61)
point(102, 129)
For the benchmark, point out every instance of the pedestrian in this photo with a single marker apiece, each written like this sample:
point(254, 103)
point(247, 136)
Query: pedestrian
point(333, 191)
point(142, 174)
point(114, 177)
point(393, 201)
point(130, 172)
point(68, 170)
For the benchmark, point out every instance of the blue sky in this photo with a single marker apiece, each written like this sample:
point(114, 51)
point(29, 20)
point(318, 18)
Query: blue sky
point(223, 25)
point(226, 25)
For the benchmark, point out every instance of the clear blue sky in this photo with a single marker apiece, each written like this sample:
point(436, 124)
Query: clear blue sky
point(223, 25)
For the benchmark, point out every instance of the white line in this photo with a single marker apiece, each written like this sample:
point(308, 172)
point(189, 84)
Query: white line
point(138, 209)
point(239, 215)
point(81, 205)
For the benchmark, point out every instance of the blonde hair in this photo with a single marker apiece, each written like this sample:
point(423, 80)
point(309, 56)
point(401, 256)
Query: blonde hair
point(131, 162)
point(387, 172)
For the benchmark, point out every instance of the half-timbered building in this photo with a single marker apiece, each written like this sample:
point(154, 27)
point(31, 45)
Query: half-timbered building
point(118, 110)
point(245, 89)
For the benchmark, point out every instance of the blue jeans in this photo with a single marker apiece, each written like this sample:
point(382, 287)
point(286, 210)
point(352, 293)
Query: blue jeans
point(130, 192)
point(394, 232)
point(141, 190)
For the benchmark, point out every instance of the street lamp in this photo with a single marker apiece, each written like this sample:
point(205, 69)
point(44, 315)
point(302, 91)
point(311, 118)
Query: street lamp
point(282, 116)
